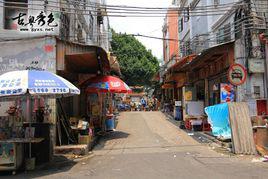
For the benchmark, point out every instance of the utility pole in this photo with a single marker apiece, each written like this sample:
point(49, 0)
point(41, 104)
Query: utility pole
point(248, 40)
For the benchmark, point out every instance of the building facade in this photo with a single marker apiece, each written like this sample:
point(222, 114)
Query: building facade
point(69, 38)
point(213, 36)
point(83, 22)
point(170, 46)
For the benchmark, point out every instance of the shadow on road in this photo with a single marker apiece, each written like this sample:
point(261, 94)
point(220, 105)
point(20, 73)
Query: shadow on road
point(114, 135)
point(58, 165)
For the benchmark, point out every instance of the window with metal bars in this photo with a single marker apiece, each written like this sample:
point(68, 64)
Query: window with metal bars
point(12, 9)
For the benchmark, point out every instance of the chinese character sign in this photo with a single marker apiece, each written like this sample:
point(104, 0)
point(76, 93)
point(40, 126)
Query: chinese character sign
point(40, 22)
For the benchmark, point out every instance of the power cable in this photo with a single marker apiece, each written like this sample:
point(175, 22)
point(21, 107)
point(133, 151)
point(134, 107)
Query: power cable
point(118, 12)
point(116, 15)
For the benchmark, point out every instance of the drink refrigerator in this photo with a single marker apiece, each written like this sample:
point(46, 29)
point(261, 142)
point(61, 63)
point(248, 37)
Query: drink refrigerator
point(11, 155)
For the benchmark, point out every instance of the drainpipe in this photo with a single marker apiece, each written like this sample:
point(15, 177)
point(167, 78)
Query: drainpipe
point(266, 71)
point(264, 38)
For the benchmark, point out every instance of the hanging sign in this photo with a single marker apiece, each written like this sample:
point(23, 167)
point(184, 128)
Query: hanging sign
point(177, 103)
point(237, 74)
point(256, 66)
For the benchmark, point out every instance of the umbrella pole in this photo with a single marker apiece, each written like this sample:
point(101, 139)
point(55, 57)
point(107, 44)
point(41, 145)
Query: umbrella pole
point(28, 117)
point(111, 103)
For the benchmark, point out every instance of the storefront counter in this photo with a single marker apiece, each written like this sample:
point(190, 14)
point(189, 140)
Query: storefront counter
point(22, 140)
point(12, 152)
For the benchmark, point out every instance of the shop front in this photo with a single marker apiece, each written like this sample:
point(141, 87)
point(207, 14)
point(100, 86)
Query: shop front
point(31, 54)
point(206, 83)
point(84, 113)
point(168, 97)
point(24, 125)
point(179, 78)
point(75, 62)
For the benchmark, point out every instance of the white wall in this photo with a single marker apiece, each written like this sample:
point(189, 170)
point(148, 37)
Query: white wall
point(75, 19)
point(34, 8)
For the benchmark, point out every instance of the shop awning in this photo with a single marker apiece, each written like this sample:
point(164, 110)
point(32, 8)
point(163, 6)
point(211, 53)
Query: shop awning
point(80, 58)
point(212, 54)
point(178, 78)
point(136, 94)
point(167, 86)
point(182, 62)
point(156, 77)
point(114, 64)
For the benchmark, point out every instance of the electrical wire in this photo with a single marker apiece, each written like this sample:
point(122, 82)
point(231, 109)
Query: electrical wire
point(11, 4)
point(118, 14)
point(144, 12)
point(105, 7)
point(83, 10)
point(213, 12)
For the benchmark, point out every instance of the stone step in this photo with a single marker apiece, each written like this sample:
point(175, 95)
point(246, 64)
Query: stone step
point(81, 149)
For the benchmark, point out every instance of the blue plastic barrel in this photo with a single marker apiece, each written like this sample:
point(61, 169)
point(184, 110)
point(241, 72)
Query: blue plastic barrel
point(109, 124)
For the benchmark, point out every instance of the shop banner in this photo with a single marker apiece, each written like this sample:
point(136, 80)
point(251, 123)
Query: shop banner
point(227, 93)
point(218, 117)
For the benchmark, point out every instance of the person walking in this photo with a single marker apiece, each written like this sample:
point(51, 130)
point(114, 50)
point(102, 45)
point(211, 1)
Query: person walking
point(143, 103)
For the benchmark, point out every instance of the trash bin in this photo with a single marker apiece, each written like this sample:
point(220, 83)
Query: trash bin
point(109, 122)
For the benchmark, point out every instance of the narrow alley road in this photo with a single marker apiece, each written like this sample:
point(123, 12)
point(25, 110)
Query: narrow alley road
point(147, 145)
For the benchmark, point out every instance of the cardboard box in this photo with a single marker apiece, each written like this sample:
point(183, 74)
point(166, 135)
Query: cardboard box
point(84, 139)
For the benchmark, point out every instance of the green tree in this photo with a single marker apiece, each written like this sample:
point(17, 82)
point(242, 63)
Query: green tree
point(137, 64)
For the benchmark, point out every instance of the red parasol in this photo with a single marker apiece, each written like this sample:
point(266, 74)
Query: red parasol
point(108, 84)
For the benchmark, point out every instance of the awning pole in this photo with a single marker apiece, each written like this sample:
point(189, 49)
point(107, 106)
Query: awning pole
point(28, 118)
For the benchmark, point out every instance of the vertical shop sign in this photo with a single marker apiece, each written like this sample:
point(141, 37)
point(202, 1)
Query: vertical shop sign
point(227, 93)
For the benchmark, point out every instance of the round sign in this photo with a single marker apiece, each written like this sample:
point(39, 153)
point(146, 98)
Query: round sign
point(237, 74)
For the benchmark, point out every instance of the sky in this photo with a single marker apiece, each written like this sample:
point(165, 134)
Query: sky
point(151, 26)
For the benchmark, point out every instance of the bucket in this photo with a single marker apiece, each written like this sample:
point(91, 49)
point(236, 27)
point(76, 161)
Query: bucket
point(109, 124)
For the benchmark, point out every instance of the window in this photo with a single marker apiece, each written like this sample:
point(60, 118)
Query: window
point(187, 14)
point(12, 9)
point(79, 33)
point(90, 27)
point(84, 4)
point(224, 34)
point(227, 32)
point(257, 91)
point(180, 24)
point(216, 3)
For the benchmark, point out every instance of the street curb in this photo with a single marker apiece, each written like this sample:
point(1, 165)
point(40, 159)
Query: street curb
point(88, 156)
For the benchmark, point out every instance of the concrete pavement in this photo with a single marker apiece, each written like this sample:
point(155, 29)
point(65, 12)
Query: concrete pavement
point(146, 145)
